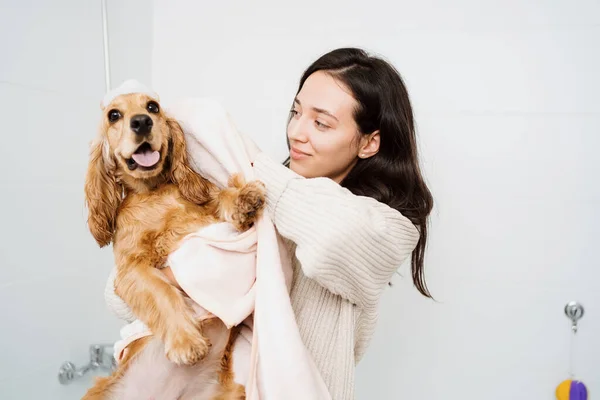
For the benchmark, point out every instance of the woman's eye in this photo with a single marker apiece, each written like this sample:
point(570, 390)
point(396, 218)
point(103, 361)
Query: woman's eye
point(321, 125)
point(294, 112)
point(152, 107)
point(114, 115)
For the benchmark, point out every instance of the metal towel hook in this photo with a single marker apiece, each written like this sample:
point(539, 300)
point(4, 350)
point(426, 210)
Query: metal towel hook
point(574, 311)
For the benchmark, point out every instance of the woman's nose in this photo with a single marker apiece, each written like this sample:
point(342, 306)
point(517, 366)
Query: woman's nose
point(297, 130)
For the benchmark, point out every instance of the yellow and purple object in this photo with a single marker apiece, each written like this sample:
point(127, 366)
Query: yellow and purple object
point(571, 390)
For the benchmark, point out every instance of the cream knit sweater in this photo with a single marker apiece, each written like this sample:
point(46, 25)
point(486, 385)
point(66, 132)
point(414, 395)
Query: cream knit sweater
point(346, 248)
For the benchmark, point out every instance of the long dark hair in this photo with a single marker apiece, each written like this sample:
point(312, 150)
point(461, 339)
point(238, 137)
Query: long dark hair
point(392, 176)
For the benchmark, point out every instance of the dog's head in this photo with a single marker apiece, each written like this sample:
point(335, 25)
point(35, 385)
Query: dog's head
point(138, 135)
point(138, 148)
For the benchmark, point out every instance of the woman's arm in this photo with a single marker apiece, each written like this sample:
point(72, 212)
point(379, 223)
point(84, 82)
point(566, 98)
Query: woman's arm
point(351, 245)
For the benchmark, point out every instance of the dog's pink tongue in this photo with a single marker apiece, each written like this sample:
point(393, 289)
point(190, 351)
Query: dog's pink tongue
point(146, 158)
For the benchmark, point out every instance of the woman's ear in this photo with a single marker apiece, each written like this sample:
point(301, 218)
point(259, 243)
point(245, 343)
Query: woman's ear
point(369, 145)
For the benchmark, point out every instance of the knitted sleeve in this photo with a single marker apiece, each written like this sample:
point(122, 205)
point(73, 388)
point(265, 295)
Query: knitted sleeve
point(114, 303)
point(349, 244)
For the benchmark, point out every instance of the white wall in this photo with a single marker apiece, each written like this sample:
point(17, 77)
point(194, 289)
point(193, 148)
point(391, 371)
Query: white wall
point(508, 113)
point(130, 40)
point(53, 273)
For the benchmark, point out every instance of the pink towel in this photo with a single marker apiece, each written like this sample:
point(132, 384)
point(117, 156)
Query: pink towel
point(240, 277)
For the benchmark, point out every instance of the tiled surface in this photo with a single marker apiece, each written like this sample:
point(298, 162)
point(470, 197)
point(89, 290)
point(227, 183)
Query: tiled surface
point(52, 46)
point(53, 273)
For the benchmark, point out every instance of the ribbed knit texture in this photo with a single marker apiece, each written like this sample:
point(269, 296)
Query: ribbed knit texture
point(346, 248)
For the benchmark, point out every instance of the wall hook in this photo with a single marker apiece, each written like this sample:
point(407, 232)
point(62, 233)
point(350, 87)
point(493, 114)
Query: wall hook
point(574, 311)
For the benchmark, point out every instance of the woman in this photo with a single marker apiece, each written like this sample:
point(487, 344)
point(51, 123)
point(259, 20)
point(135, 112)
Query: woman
point(350, 200)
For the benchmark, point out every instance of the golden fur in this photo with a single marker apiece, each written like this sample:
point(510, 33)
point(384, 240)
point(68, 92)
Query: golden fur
point(145, 212)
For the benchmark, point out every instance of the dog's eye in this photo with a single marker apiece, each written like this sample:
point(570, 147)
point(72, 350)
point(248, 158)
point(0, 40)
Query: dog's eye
point(113, 115)
point(152, 107)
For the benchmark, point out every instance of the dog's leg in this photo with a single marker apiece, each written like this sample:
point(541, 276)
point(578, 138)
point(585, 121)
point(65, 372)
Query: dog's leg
point(101, 389)
point(241, 203)
point(162, 308)
point(226, 373)
point(230, 390)
point(236, 393)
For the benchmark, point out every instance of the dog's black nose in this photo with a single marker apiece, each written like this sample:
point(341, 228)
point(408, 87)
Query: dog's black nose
point(141, 124)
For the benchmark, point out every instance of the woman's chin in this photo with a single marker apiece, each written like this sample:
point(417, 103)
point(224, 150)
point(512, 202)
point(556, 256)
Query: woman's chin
point(299, 168)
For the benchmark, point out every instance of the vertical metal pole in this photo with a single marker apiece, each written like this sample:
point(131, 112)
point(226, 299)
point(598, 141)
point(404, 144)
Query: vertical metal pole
point(106, 52)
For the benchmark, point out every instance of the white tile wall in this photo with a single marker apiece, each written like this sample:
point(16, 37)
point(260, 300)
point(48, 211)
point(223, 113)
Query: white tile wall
point(508, 113)
point(53, 273)
point(130, 25)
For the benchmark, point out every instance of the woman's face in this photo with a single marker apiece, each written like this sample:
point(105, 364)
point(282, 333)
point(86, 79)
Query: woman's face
point(324, 138)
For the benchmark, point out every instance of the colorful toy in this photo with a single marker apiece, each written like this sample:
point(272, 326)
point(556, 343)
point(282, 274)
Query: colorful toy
point(571, 390)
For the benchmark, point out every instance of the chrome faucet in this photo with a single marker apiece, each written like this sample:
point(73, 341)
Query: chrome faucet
point(100, 359)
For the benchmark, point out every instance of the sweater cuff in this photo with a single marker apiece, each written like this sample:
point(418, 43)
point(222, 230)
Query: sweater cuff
point(115, 304)
point(275, 176)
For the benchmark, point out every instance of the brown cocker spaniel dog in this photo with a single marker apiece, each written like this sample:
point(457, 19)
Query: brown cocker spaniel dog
point(143, 197)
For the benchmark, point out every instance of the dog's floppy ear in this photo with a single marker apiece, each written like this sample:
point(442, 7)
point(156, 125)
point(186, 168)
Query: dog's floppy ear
point(102, 194)
point(192, 186)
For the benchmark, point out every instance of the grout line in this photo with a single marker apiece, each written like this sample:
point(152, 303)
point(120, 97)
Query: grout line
point(29, 87)
point(61, 274)
point(51, 91)
point(40, 370)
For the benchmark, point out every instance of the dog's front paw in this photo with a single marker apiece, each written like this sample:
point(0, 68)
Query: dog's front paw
point(185, 345)
point(249, 205)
